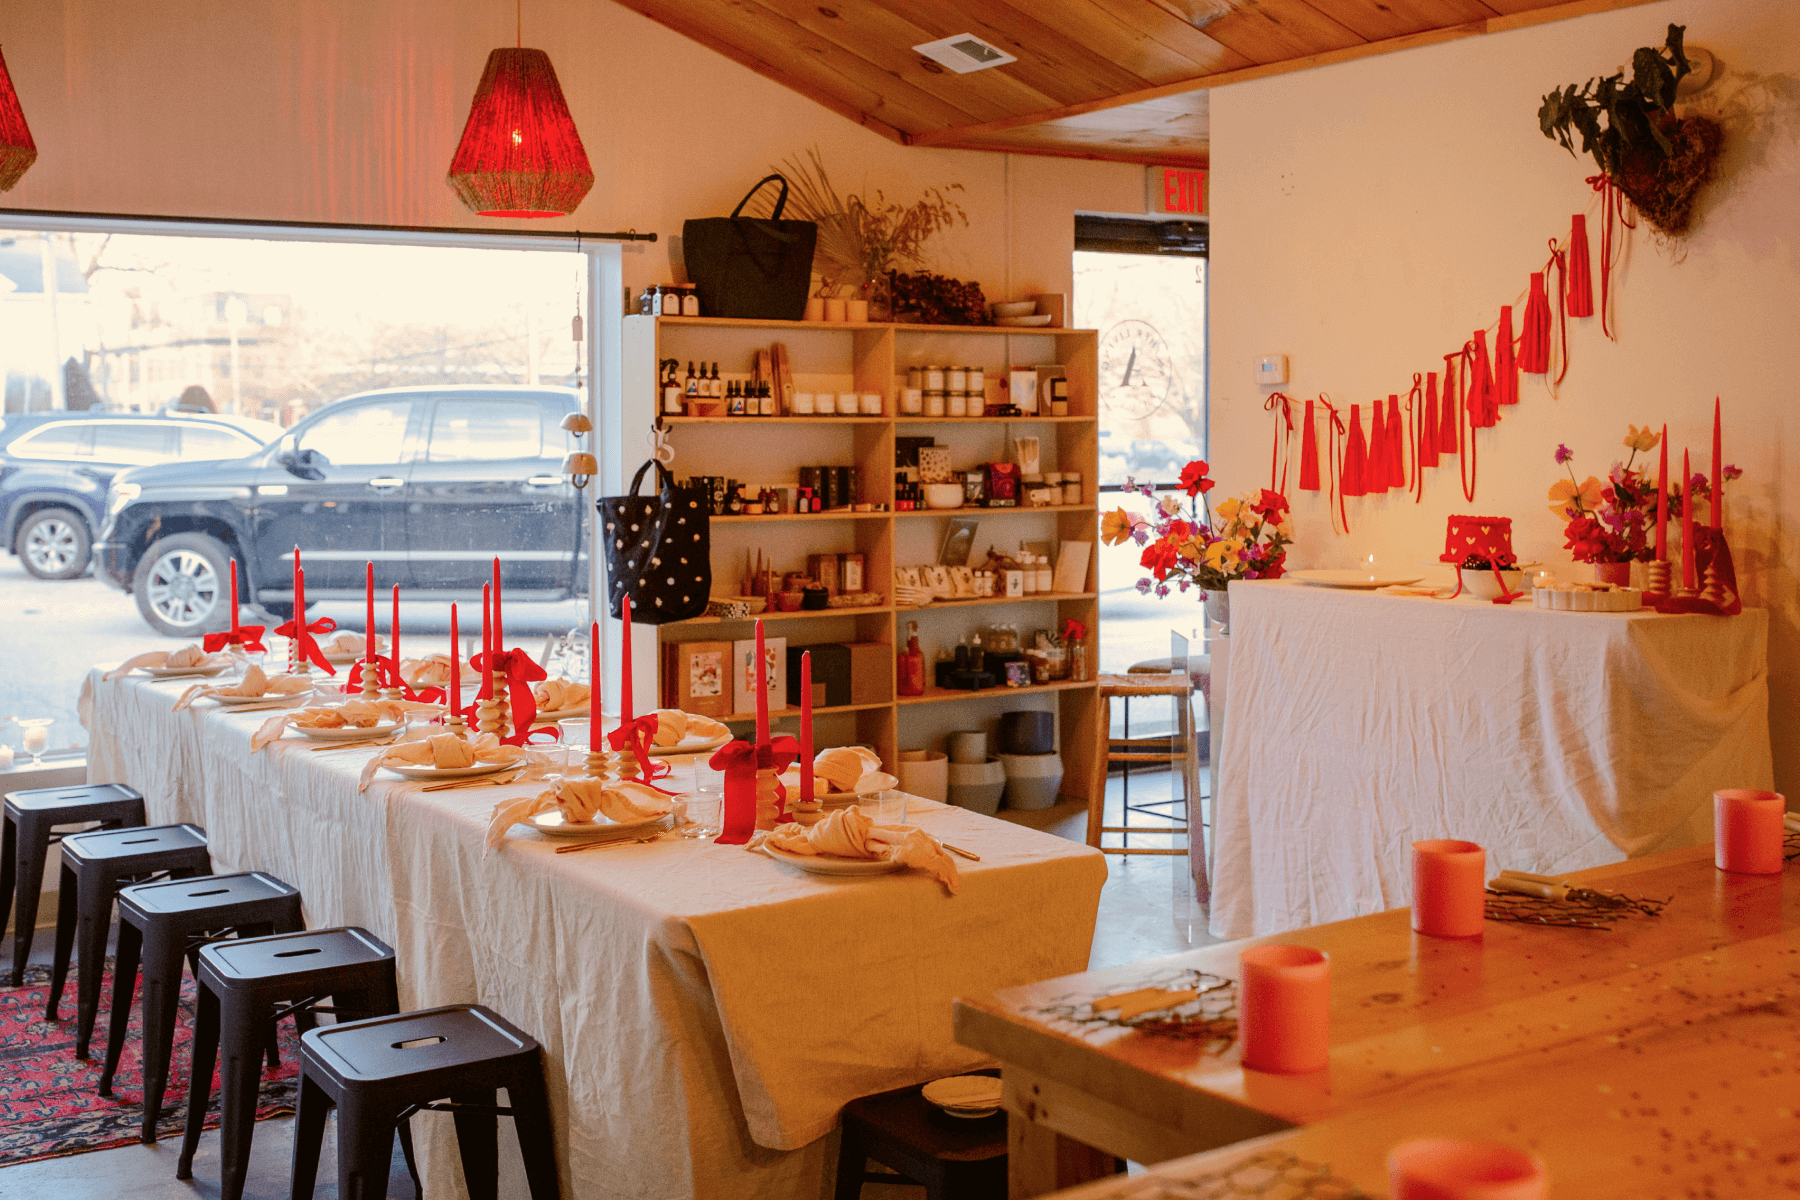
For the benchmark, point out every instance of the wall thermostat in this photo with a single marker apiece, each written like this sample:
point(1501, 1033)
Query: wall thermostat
point(1271, 368)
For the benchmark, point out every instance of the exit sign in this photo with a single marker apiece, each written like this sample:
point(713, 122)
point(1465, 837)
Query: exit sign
point(1176, 190)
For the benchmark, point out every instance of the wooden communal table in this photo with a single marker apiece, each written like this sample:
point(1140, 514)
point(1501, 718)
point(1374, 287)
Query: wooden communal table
point(1662, 1054)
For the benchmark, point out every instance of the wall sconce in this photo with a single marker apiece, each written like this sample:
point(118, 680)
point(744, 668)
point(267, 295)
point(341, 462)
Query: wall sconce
point(579, 467)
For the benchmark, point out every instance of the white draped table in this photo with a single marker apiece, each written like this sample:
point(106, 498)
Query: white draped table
point(1360, 722)
point(705, 1011)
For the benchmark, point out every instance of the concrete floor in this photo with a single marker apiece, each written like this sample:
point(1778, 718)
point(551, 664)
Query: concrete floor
point(1147, 908)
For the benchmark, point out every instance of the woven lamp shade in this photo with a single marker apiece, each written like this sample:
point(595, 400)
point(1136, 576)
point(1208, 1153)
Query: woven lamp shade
point(520, 155)
point(17, 150)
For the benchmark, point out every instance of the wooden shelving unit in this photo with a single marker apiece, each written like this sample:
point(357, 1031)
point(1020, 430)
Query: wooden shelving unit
point(757, 450)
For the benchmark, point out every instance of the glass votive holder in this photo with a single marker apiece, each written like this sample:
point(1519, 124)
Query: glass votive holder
point(912, 401)
point(1445, 1169)
point(1449, 888)
point(803, 404)
point(1747, 830)
point(957, 404)
point(871, 404)
point(1284, 1009)
point(35, 732)
point(846, 404)
point(825, 403)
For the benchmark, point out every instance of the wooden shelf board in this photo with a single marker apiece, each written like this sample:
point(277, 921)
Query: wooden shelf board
point(987, 420)
point(1034, 598)
point(984, 511)
point(857, 326)
point(938, 695)
point(813, 420)
point(824, 516)
point(783, 616)
point(818, 711)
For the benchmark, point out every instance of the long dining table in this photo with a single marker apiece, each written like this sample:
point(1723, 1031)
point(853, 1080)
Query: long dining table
point(705, 1011)
point(1657, 1057)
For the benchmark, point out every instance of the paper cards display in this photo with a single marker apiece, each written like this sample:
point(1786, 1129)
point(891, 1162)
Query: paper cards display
point(697, 677)
point(743, 683)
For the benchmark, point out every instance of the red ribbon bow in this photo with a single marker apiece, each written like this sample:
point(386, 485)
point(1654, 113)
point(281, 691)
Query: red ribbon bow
point(247, 636)
point(387, 675)
point(638, 735)
point(740, 762)
point(309, 649)
point(520, 672)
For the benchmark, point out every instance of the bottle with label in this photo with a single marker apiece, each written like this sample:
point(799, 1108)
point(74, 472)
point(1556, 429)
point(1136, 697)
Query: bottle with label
point(1045, 575)
point(735, 400)
point(671, 390)
point(735, 506)
point(1028, 569)
point(977, 655)
point(911, 674)
point(691, 389)
point(714, 388)
point(765, 400)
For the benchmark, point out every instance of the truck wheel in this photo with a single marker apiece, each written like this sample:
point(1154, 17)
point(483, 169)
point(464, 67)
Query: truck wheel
point(181, 585)
point(54, 544)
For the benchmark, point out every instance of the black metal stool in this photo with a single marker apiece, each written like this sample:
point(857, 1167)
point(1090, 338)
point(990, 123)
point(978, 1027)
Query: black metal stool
point(26, 838)
point(248, 985)
point(952, 1159)
point(94, 867)
point(380, 1072)
point(159, 925)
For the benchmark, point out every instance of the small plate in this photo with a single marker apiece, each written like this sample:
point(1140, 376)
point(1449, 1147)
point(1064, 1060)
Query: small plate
point(410, 772)
point(1033, 322)
point(969, 1097)
point(692, 745)
point(550, 716)
point(270, 698)
point(345, 733)
point(820, 864)
point(552, 824)
point(183, 672)
point(1351, 579)
point(338, 660)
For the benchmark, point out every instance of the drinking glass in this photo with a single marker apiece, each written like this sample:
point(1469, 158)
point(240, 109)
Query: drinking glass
point(705, 800)
point(884, 808)
point(36, 732)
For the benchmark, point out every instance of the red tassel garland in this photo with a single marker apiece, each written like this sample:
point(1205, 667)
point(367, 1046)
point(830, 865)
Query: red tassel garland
point(1309, 453)
point(1396, 445)
point(1506, 378)
point(1356, 456)
point(1428, 430)
point(1534, 338)
point(1375, 468)
point(1581, 278)
point(1483, 404)
point(1449, 411)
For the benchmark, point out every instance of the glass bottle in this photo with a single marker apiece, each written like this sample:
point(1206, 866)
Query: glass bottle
point(912, 664)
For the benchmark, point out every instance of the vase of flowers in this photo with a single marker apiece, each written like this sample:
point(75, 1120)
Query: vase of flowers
point(1195, 545)
point(1612, 524)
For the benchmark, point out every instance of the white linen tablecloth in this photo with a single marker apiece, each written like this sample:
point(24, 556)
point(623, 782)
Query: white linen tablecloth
point(1361, 722)
point(705, 1012)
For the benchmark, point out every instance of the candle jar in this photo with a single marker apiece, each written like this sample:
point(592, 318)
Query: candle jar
point(912, 400)
point(956, 379)
point(957, 404)
point(915, 378)
point(871, 404)
point(934, 379)
point(846, 403)
point(934, 403)
point(1071, 487)
point(825, 403)
point(36, 731)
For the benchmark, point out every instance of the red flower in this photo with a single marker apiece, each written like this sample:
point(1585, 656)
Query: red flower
point(1193, 478)
point(1159, 557)
point(1275, 569)
point(1270, 506)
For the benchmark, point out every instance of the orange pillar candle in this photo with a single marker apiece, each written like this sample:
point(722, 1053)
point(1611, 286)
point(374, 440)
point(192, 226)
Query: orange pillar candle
point(1662, 499)
point(1747, 831)
point(1687, 526)
point(1284, 1009)
point(1718, 473)
point(1449, 888)
point(455, 664)
point(1443, 1169)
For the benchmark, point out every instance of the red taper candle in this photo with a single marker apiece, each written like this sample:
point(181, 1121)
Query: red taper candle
point(394, 631)
point(234, 600)
point(1662, 499)
point(369, 616)
point(455, 663)
point(625, 664)
point(299, 592)
point(499, 627)
point(762, 690)
point(594, 688)
point(1718, 472)
point(487, 640)
point(1687, 525)
point(806, 753)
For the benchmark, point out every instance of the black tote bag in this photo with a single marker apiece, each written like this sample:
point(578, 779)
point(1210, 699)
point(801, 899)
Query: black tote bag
point(658, 550)
point(751, 267)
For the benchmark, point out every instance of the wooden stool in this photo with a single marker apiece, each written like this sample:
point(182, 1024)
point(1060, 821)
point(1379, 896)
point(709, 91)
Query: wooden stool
point(94, 867)
point(1171, 750)
point(26, 838)
point(159, 925)
point(952, 1159)
point(381, 1071)
point(246, 987)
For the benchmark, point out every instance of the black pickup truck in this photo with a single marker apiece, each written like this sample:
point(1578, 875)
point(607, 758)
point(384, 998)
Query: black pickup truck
point(429, 484)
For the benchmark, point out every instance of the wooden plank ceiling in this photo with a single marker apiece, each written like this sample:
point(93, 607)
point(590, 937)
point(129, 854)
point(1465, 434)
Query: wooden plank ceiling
point(1123, 80)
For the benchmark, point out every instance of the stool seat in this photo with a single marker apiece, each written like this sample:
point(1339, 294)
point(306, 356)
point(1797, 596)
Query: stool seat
point(241, 984)
point(379, 1072)
point(159, 924)
point(26, 836)
point(952, 1159)
point(95, 866)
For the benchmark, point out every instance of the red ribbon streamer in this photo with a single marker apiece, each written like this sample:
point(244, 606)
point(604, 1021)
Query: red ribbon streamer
point(520, 672)
point(1428, 429)
point(1466, 467)
point(309, 649)
point(1448, 410)
point(1581, 278)
point(740, 762)
point(247, 636)
point(1415, 425)
point(1484, 411)
point(1559, 260)
point(1506, 375)
point(1283, 438)
point(1396, 445)
point(1335, 430)
point(1534, 331)
point(639, 735)
point(1356, 455)
point(1309, 453)
point(1612, 211)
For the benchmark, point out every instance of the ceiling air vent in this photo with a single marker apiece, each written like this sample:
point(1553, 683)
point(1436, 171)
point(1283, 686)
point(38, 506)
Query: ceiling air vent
point(964, 53)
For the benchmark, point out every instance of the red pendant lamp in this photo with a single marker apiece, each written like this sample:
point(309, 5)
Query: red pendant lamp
point(17, 150)
point(520, 154)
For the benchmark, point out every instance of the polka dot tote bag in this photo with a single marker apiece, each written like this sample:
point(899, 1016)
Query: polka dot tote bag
point(658, 550)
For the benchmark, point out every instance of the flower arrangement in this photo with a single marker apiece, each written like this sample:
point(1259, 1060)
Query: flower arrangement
point(1246, 538)
point(1614, 521)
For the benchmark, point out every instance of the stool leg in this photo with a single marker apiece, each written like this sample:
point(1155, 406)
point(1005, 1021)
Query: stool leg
point(412, 1159)
point(94, 903)
point(478, 1141)
point(241, 1028)
point(163, 956)
point(853, 1160)
point(536, 1134)
point(9, 866)
point(309, 1136)
point(125, 968)
point(365, 1149)
point(66, 920)
point(200, 1076)
point(30, 851)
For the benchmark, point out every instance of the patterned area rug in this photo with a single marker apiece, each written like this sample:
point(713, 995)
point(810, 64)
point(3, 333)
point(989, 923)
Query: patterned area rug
point(48, 1105)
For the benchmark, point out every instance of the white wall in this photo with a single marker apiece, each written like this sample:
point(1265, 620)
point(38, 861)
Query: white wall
point(1368, 215)
point(349, 111)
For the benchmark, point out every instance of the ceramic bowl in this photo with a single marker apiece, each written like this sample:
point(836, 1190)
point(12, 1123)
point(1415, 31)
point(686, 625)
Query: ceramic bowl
point(1481, 583)
point(789, 601)
point(943, 495)
point(1014, 308)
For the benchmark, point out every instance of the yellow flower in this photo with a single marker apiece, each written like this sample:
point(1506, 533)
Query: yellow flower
point(1229, 508)
point(1566, 498)
point(1115, 526)
point(1642, 440)
point(1218, 552)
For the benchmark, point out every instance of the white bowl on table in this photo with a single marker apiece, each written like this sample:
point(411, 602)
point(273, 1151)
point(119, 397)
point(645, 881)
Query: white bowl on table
point(1014, 308)
point(944, 495)
point(1480, 582)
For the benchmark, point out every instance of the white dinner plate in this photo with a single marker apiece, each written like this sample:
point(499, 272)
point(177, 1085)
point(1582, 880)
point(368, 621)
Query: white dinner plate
point(553, 824)
point(1351, 579)
point(970, 1097)
point(692, 745)
point(183, 672)
point(821, 864)
point(407, 771)
point(272, 699)
point(346, 733)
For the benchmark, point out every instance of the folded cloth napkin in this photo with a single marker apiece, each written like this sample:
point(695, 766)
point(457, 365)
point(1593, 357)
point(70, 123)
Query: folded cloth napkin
point(254, 683)
point(187, 656)
point(674, 727)
point(352, 714)
point(430, 671)
point(444, 751)
point(843, 770)
point(347, 642)
point(852, 833)
point(578, 800)
point(555, 695)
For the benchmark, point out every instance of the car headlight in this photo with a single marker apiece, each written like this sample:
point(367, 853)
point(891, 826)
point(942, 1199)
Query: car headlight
point(121, 495)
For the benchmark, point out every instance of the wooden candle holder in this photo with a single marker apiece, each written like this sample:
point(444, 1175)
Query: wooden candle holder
point(1715, 591)
point(1656, 577)
point(369, 690)
point(768, 802)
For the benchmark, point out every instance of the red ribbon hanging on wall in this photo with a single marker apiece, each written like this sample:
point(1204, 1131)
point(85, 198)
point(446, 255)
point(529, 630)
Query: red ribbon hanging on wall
point(1415, 425)
point(1448, 409)
point(1534, 334)
point(1506, 375)
point(1428, 428)
point(1281, 454)
point(1356, 455)
point(1559, 259)
point(1479, 398)
point(1335, 430)
point(1612, 214)
point(1581, 279)
point(1396, 445)
point(1375, 468)
point(1309, 452)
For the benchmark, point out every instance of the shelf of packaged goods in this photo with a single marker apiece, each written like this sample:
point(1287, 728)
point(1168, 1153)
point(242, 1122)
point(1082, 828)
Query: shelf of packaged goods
point(911, 419)
point(799, 614)
point(856, 326)
point(938, 695)
point(775, 714)
point(824, 516)
point(813, 420)
point(982, 510)
point(1034, 598)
